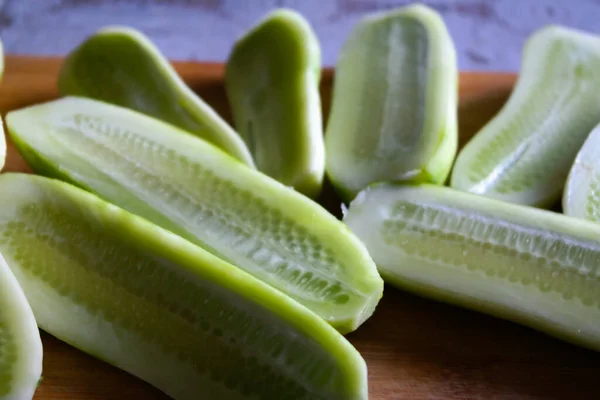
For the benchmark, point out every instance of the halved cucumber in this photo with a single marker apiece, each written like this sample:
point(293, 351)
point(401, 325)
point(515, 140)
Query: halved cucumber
point(191, 188)
point(524, 154)
point(531, 266)
point(393, 114)
point(122, 66)
point(272, 82)
point(20, 343)
point(143, 299)
point(581, 197)
point(2, 145)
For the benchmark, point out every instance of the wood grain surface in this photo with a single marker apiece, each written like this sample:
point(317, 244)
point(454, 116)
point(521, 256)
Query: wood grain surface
point(414, 348)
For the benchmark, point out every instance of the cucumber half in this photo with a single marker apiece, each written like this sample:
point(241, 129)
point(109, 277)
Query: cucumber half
point(21, 350)
point(121, 65)
point(531, 266)
point(272, 82)
point(523, 155)
point(581, 197)
point(146, 301)
point(393, 114)
point(196, 191)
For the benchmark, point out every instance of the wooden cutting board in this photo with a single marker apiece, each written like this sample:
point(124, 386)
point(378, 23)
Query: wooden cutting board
point(414, 348)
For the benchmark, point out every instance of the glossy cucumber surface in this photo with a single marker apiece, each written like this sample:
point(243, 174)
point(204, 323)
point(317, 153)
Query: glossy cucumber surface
point(272, 82)
point(523, 155)
point(581, 197)
point(146, 301)
point(531, 266)
point(21, 350)
point(120, 65)
point(394, 106)
point(189, 187)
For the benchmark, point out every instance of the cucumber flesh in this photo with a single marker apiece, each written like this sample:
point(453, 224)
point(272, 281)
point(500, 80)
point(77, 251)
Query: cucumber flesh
point(146, 301)
point(192, 189)
point(527, 265)
point(393, 114)
point(21, 350)
point(120, 65)
point(523, 155)
point(581, 197)
point(2, 145)
point(272, 82)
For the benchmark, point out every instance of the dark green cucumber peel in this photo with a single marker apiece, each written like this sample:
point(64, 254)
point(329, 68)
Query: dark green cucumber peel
point(523, 155)
point(120, 65)
point(196, 191)
point(143, 299)
point(581, 196)
point(394, 105)
point(272, 82)
point(531, 266)
point(21, 351)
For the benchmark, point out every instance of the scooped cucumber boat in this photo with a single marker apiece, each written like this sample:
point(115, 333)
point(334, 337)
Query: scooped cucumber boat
point(524, 154)
point(531, 266)
point(581, 197)
point(272, 82)
point(146, 301)
point(393, 114)
point(198, 192)
point(120, 65)
point(20, 343)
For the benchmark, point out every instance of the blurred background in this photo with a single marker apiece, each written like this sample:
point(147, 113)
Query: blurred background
point(488, 34)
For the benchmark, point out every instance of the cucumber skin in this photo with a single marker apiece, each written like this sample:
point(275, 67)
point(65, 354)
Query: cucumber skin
point(198, 114)
point(2, 145)
point(551, 189)
point(371, 282)
point(29, 335)
point(304, 160)
point(437, 166)
point(444, 197)
point(150, 239)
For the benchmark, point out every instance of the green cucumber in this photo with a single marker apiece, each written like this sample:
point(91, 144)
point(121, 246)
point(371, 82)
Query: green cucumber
point(196, 191)
point(21, 350)
point(122, 66)
point(581, 196)
point(523, 155)
point(150, 303)
point(393, 114)
point(2, 145)
point(530, 266)
point(272, 80)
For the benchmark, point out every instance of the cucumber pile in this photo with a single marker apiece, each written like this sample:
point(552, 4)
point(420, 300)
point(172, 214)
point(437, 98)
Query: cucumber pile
point(191, 253)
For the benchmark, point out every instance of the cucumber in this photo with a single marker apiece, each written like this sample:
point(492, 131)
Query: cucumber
point(581, 197)
point(150, 303)
point(2, 145)
point(530, 266)
point(394, 109)
point(196, 191)
point(21, 350)
point(272, 81)
point(523, 155)
point(121, 65)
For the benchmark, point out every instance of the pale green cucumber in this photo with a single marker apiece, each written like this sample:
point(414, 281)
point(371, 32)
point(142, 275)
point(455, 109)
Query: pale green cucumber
point(21, 350)
point(272, 82)
point(581, 197)
point(523, 155)
point(121, 65)
point(2, 145)
point(191, 188)
point(144, 300)
point(393, 114)
point(530, 266)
